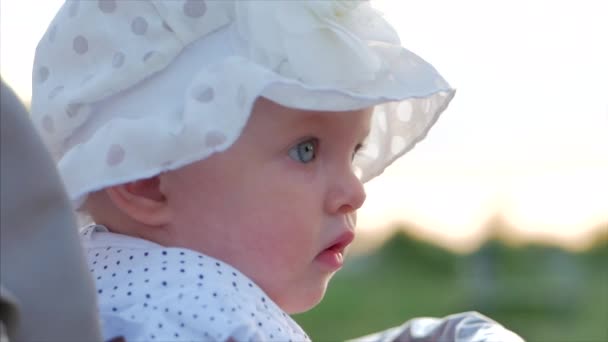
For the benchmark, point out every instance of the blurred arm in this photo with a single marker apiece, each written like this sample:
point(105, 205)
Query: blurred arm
point(461, 327)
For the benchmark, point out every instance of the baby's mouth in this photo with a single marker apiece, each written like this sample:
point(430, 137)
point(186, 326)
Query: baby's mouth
point(340, 246)
point(333, 255)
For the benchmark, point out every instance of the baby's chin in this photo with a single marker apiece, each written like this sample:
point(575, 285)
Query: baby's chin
point(302, 300)
point(301, 306)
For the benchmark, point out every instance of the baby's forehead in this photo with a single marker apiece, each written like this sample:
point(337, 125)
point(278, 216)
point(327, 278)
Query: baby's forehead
point(269, 116)
point(289, 115)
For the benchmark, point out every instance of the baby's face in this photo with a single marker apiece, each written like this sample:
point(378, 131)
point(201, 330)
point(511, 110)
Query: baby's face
point(279, 204)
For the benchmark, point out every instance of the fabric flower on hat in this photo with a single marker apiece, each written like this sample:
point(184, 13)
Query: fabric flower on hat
point(321, 43)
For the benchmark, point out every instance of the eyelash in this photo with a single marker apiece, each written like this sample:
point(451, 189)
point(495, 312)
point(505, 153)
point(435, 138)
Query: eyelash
point(358, 148)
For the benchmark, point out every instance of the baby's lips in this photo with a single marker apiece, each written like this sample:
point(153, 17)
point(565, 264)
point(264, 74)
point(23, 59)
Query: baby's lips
point(342, 241)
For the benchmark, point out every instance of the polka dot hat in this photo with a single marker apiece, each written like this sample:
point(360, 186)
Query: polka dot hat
point(124, 90)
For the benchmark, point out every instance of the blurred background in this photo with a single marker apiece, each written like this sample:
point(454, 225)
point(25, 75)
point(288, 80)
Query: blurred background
point(503, 208)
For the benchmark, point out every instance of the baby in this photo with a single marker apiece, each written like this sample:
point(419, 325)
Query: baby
point(220, 148)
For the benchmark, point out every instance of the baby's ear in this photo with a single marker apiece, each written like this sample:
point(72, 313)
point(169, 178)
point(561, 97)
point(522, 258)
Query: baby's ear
point(142, 200)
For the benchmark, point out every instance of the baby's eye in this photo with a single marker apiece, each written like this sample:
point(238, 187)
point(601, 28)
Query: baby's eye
point(304, 152)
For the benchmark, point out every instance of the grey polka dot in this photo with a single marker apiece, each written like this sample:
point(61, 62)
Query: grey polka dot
point(43, 74)
point(167, 27)
point(80, 45)
point(115, 155)
point(47, 124)
point(214, 138)
point(139, 26)
point(52, 33)
point(72, 109)
point(118, 60)
point(195, 8)
point(73, 9)
point(53, 93)
point(203, 93)
point(107, 6)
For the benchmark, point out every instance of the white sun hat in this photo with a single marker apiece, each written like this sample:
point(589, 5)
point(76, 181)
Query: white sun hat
point(124, 90)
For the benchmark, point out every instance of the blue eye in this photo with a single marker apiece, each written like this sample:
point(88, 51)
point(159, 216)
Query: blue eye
point(304, 152)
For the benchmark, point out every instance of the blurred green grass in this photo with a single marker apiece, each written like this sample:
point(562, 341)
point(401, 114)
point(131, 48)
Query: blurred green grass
point(543, 293)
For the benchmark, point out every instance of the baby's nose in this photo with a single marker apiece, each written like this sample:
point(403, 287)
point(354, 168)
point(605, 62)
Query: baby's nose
point(358, 195)
point(347, 195)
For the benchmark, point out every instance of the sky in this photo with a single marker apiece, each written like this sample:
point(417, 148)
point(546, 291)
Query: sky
point(526, 137)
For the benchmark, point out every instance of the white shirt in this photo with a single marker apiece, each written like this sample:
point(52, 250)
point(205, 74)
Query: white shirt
point(147, 292)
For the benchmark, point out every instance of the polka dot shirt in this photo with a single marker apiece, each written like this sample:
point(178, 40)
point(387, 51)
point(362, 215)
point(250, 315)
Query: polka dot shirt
point(147, 292)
